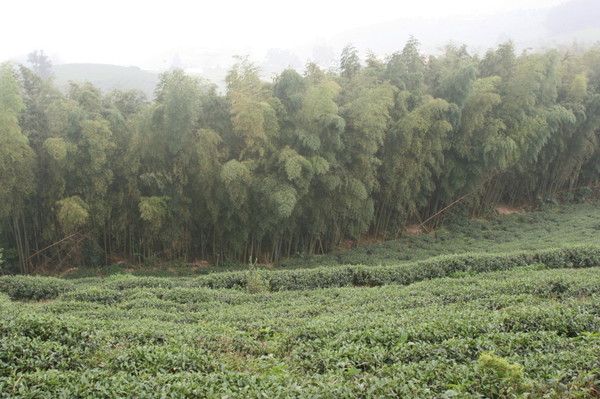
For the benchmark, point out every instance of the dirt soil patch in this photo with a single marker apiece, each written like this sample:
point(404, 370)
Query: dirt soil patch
point(413, 230)
point(508, 210)
point(69, 271)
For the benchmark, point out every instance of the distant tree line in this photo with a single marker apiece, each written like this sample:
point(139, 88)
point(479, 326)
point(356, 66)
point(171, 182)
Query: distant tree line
point(271, 169)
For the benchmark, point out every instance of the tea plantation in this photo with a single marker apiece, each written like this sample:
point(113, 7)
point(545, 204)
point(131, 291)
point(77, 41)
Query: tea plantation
point(501, 323)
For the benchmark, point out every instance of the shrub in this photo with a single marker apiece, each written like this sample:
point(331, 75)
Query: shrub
point(33, 288)
point(441, 266)
point(496, 335)
point(202, 295)
point(501, 377)
point(97, 295)
point(125, 281)
point(257, 280)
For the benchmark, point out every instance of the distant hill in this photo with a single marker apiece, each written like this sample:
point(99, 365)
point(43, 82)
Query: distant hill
point(576, 15)
point(573, 21)
point(107, 77)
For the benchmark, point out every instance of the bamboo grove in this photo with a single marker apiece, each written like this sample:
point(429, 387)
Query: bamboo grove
point(298, 164)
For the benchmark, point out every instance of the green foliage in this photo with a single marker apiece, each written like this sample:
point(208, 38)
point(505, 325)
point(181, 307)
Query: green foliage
point(449, 337)
point(349, 62)
point(104, 296)
point(502, 369)
point(285, 200)
point(404, 274)
point(72, 214)
point(302, 164)
point(153, 210)
point(236, 177)
point(503, 377)
point(56, 148)
point(122, 282)
point(25, 288)
point(256, 279)
point(490, 323)
point(17, 158)
point(252, 116)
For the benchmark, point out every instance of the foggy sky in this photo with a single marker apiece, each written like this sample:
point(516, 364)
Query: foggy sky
point(148, 34)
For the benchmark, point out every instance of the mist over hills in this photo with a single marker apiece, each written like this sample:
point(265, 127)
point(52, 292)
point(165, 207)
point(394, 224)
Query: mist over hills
point(574, 21)
point(577, 21)
point(106, 77)
point(574, 16)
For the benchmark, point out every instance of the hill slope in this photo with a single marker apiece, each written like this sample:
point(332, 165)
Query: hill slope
point(501, 334)
point(469, 325)
point(107, 77)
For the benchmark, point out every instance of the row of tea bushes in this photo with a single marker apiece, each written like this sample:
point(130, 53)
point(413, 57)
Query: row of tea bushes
point(258, 280)
point(340, 276)
point(34, 288)
point(525, 332)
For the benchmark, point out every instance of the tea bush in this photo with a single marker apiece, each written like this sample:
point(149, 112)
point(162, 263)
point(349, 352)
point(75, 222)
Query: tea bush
point(126, 281)
point(523, 332)
point(100, 295)
point(442, 266)
point(29, 288)
point(518, 319)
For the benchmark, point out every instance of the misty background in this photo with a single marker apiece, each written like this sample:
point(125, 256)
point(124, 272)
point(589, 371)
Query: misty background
point(126, 46)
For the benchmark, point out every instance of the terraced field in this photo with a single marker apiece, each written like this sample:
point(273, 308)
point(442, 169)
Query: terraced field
point(499, 325)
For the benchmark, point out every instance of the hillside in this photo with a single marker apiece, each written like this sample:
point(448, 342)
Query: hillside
point(501, 334)
point(303, 164)
point(556, 226)
point(503, 325)
point(107, 77)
